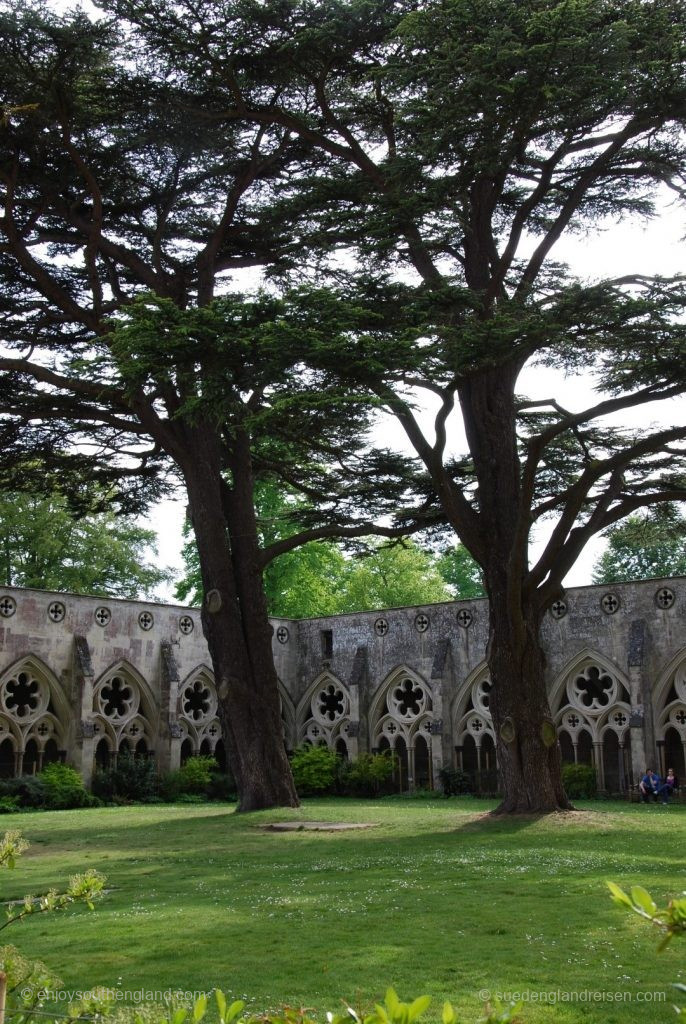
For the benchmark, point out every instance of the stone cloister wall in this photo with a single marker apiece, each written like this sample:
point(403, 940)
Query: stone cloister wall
point(82, 678)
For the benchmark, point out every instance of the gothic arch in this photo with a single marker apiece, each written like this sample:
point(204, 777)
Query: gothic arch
point(471, 705)
point(669, 706)
point(288, 717)
point(323, 715)
point(402, 708)
point(578, 663)
point(33, 705)
point(591, 705)
point(197, 709)
point(673, 670)
point(124, 704)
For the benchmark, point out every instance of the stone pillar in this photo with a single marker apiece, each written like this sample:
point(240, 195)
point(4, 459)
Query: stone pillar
point(168, 741)
point(640, 726)
point(359, 727)
point(352, 739)
point(436, 760)
point(83, 747)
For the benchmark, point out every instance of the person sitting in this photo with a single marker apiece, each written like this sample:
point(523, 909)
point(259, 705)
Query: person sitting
point(648, 786)
point(667, 788)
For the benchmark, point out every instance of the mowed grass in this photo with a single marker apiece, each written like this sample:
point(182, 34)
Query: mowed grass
point(437, 898)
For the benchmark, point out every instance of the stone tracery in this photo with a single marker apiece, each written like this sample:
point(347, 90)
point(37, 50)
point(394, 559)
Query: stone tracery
point(325, 714)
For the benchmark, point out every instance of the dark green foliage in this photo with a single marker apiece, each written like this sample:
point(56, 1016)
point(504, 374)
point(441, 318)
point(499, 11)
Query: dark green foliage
point(314, 769)
point(579, 781)
point(221, 787)
point(9, 804)
point(454, 781)
point(369, 775)
point(131, 779)
point(30, 790)
point(63, 787)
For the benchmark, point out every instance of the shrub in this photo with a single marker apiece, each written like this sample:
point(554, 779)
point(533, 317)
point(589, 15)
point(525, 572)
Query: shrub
point(454, 781)
point(63, 787)
point(29, 790)
point(368, 775)
point(132, 778)
point(196, 774)
point(314, 769)
point(194, 778)
point(579, 781)
point(9, 804)
point(222, 787)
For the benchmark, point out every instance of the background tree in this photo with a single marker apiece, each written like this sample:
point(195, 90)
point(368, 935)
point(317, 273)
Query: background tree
point(451, 145)
point(49, 546)
point(651, 545)
point(317, 579)
point(460, 572)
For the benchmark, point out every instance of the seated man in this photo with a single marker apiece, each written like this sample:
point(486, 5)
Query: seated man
point(648, 786)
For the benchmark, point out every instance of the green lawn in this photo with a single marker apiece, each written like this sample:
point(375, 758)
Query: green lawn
point(437, 899)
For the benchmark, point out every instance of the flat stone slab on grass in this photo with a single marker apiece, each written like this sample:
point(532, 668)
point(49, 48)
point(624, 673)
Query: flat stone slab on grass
point(316, 826)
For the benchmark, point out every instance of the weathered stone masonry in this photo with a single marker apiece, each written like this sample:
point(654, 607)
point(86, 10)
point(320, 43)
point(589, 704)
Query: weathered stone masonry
point(83, 678)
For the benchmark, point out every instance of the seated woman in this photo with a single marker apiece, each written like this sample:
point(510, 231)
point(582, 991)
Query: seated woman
point(667, 788)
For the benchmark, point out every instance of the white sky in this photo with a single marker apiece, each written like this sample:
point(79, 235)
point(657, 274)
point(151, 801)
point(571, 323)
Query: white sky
point(614, 250)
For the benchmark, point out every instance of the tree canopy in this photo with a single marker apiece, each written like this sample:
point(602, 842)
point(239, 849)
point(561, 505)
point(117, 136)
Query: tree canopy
point(318, 579)
point(651, 545)
point(47, 545)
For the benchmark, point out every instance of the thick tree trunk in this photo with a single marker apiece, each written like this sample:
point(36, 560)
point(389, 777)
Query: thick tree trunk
point(526, 743)
point(238, 633)
point(527, 748)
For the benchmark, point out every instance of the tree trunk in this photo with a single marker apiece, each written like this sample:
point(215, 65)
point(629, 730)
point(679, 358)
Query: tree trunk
point(238, 632)
point(527, 748)
point(526, 740)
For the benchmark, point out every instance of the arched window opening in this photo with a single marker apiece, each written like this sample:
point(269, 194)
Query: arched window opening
point(674, 755)
point(7, 760)
point(422, 764)
point(102, 755)
point(32, 761)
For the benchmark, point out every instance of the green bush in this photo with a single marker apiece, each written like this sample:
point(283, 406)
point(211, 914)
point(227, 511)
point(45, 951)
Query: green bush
point(314, 769)
point(29, 790)
point(454, 781)
point(222, 787)
point(9, 804)
point(196, 773)
point(368, 775)
point(194, 778)
point(132, 779)
point(579, 781)
point(63, 787)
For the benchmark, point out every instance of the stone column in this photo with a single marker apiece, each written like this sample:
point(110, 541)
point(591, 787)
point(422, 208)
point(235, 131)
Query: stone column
point(83, 747)
point(168, 741)
point(640, 726)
